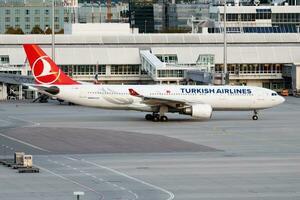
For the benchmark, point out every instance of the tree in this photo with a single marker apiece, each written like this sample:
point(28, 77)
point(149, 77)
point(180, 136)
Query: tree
point(37, 30)
point(48, 31)
point(19, 31)
point(12, 30)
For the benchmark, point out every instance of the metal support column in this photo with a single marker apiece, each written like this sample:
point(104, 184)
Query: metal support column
point(53, 31)
point(225, 45)
point(20, 92)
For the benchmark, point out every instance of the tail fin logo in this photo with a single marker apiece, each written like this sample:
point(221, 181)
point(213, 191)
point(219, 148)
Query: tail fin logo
point(43, 72)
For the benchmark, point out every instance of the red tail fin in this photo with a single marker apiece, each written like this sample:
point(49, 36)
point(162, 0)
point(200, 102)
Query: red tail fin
point(44, 70)
point(132, 92)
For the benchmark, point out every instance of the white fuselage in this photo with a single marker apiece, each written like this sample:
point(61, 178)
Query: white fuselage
point(219, 97)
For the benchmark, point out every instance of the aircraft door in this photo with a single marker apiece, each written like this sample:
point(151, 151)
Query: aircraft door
point(83, 93)
point(259, 98)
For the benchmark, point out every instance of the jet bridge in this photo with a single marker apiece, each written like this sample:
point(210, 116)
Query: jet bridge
point(15, 79)
point(173, 72)
point(150, 64)
point(11, 85)
point(198, 76)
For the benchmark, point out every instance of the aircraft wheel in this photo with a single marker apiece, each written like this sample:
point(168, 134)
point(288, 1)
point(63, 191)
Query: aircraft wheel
point(149, 117)
point(164, 118)
point(155, 118)
point(255, 117)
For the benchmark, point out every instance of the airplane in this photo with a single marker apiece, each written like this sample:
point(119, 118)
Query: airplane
point(198, 101)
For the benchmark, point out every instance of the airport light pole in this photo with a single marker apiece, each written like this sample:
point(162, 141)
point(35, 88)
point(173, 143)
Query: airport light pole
point(225, 43)
point(78, 194)
point(53, 32)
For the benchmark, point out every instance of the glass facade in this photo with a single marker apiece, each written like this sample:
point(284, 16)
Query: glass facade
point(170, 73)
point(91, 70)
point(264, 14)
point(168, 17)
point(141, 15)
point(168, 58)
point(83, 70)
point(95, 13)
point(125, 70)
point(4, 59)
point(206, 60)
point(262, 21)
point(237, 69)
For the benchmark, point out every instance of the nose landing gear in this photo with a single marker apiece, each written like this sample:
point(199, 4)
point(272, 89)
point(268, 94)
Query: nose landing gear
point(149, 117)
point(255, 116)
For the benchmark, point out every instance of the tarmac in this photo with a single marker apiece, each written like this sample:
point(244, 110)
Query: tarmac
point(117, 155)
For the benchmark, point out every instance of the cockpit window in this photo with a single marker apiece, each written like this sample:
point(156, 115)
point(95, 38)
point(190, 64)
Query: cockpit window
point(274, 94)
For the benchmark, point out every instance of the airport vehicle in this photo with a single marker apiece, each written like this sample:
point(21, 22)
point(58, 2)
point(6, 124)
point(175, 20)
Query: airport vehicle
point(285, 92)
point(197, 101)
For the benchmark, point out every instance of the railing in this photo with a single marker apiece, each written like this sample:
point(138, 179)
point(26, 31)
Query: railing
point(256, 76)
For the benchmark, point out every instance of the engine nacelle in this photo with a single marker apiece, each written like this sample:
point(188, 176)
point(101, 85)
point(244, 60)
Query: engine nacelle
point(201, 111)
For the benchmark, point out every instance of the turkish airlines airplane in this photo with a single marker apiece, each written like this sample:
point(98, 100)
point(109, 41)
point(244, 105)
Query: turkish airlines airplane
point(196, 101)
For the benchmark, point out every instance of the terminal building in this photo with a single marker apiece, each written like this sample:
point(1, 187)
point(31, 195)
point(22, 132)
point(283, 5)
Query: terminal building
point(28, 14)
point(264, 59)
point(25, 15)
point(256, 19)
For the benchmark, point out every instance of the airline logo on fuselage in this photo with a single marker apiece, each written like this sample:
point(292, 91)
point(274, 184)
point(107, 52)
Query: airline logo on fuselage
point(215, 91)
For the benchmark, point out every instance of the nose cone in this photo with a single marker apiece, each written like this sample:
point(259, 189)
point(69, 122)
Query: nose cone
point(281, 99)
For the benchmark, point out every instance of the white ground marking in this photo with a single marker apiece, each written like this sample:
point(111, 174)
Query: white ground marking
point(72, 181)
point(20, 141)
point(7, 147)
point(88, 174)
point(73, 159)
point(101, 179)
point(171, 195)
point(26, 143)
point(28, 121)
point(136, 196)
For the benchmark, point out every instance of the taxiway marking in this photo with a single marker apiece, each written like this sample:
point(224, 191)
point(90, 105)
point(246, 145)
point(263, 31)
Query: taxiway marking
point(26, 143)
point(72, 181)
point(171, 195)
point(100, 179)
point(34, 123)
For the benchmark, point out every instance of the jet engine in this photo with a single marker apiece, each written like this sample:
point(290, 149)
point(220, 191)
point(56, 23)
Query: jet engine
point(201, 111)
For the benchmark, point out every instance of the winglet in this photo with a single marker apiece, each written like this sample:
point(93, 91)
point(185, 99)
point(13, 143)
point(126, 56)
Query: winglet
point(44, 70)
point(132, 92)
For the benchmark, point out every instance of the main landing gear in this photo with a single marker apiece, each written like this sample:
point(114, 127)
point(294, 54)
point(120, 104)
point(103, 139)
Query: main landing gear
point(156, 117)
point(255, 117)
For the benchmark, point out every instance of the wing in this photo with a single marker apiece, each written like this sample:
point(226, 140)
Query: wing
point(158, 101)
point(49, 90)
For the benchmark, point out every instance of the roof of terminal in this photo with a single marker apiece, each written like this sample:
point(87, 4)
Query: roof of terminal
point(126, 49)
point(136, 39)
